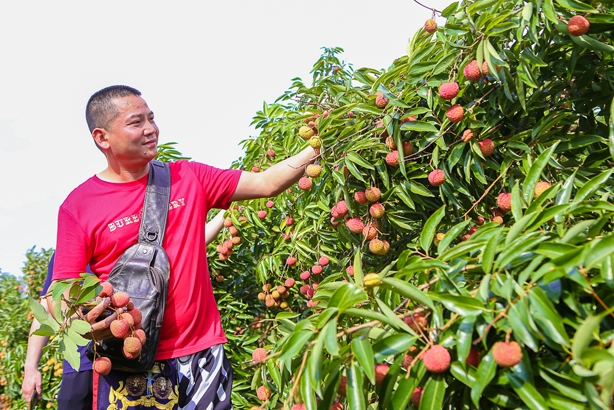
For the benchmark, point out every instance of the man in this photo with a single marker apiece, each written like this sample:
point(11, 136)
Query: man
point(100, 219)
point(76, 386)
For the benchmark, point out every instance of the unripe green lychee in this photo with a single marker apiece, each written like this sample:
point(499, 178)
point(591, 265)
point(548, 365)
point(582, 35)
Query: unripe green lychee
point(315, 142)
point(313, 170)
point(455, 113)
point(507, 354)
point(430, 26)
point(102, 365)
point(437, 177)
point(372, 279)
point(578, 26)
point(487, 147)
point(472, 71)
point(306, 132)
point(437, 359)
point(448, 91)
point(504, 202)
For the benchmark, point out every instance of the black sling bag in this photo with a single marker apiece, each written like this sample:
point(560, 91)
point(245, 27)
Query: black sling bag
point(142, 272)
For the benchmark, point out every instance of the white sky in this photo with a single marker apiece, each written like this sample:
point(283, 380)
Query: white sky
point(204, 68)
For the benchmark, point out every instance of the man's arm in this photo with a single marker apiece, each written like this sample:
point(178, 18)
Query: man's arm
point(214, 227)
point(274, 180)
point(32, 378)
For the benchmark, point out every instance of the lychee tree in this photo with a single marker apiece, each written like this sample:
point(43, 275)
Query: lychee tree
point(471, 269)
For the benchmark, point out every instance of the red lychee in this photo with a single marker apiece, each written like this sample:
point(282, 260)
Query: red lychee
point(305, 183)
point(323, 260)
point(270, 204)
point(262, 214)
point(472, 71)
point(487, 147)
point(381, 370)
point(578, 26)
point(271, 153)
point(289, 282)
point(416, 396)
point(354, 224)
point(316, 269)
point(504, 202)
point(377, 210)
point(408, 149)
point(107, 289)
point(473, 358)
point(258, 355)
point(263, 393)
point(380, 100)
point(350, 270)
point(407, 359)
point(448, 91)
point(342, 209)
point(342, 389)
point(119, 299)
point(373, 194)
point(416, 322)
point(305, 275)
point(392, 158)
point(467, 135)
point(541, 187)
point(455, 113)
point(369, 232)
point(408, 119)
point(485, 69)
point(140, 334)
point(430, 26)
point(360, 197)
point(119, 328)
point(291, 261)
point(299, 406)
point(133, 345)
point(437, 359)
point(507, 354)
point(227, 222)
point(437, 177)
point(102, 365)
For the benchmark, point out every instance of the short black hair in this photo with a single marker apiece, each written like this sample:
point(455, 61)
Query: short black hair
point(100, 110)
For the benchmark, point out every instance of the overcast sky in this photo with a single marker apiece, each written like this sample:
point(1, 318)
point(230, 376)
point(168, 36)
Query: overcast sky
point(204, 68)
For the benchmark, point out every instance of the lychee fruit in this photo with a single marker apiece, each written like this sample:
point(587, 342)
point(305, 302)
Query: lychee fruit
point(289, 221)
point(437, 359)
point(291, 261)
point(258, 355)
point(350, 270)
point(335, 406)
point(323, 260)
point(578, 26)
point(540, 187)
point(472, 71)
point(119, 328)
point(360, 197)
point(437, 177)
point(455, 113)
point(107, 289)
point(271, 153)
point(262, 214)
point(507, 354)
point(467, 135)
point(316, 269)
point(498, 219)
point(392, 158)
point(270, 204)
point(473, 358)
point(342, 209)
point(373, 194)
point(380, 100)
point(342, 389)
point(315, 142)
point(305, 275)
point(416, 396)
point(227, 222)
point(313, 170)
point(408, 149)
point(378, 247)
point(487, 147)
point(407, 359)
point(119, 299)
point(485, 69)
point(430, 26)
point(133, 345)
point(301, 406)
point(305, 183)
point(381, 370)
point(369, 232)
point(448, 91)
point(263, 393)
point(354, 224)
point(289, 282)
point(390, 143)
point(140, 334)
point(504, 202)
point(372, 279)
point(416, 322)
point(408, 119)
point(377, 210)
point(102, 365)
point(306, 132)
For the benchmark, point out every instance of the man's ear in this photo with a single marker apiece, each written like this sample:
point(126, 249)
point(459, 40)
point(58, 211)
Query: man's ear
point(100, 136)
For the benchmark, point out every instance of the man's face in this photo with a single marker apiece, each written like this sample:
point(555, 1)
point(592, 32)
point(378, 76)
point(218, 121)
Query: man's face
point(133, 135)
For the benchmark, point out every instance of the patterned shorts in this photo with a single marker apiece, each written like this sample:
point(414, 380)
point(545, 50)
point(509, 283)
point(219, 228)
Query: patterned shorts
point(200, 381)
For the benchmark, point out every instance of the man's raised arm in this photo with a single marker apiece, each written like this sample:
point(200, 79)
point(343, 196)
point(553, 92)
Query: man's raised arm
point(274, 180)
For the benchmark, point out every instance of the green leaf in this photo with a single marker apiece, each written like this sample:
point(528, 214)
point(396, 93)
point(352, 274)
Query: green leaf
point(296, 342)
point(534, 174)
point(434, 393)
point(592, 186)
point(347, 296)
point(357, 159)
point(584, 335)
point(576, 5)
point(70, 351)
point(274, 372)
point(527, 392)
point(406, 289)
point(611, 134)
point(420, 126)
point(392, 345)
point(358, 268)
point(428, 231)
point(354, 387)
point(451, 235)
point(485, 373)
point(361, 349)
point(547, 318)
point(600, 249)
point(463, 305)
point(80, 326)
point(522, 325)
point(329, 335)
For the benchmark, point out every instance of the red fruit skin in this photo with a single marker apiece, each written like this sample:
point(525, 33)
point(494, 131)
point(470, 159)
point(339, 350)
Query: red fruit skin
point(380, 100)
point(437, 177)
point(392, 158)
point(289, 282)
point(350, 270)
point(578, 26)
point(258, 355)
point(473, 358)
point(373, 194)
point(377, 211)
point(359, 196)
point(323, 260)
point(408, 119)
point(305, 183)
point(316, 269)
point(263, 393)
point(342, 389)
point(416, 396)
point(119, 328)
point(354, 224)
point(507, 354)
point(107, 289)
point(291, 261)
point(140, 334)
point(102, 366)
point(119, 299)
point(342, 209)
point(455, 113)
point(472, 71)
point(487, 147)
point(541, 187)
point(448, 91)
point(369, 232)
point(467, 135)
point(381, 370)
point(504, 202)
point(270, 204)
point(305, 275)
point(262, 214)
point(133, 345)
point(430, 26)
point(437, 359)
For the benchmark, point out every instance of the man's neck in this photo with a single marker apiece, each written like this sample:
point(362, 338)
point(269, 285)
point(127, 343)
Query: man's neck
point(117, 173)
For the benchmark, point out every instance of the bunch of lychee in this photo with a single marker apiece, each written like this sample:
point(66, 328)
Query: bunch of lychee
point(276, 296)
point(225, 248)
point(127, 326)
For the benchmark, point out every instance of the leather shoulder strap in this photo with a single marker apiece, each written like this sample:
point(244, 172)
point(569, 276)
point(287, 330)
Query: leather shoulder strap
point(157, 199)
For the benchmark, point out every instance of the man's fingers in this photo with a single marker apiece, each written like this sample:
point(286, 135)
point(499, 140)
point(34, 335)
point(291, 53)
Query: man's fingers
point(93, 314)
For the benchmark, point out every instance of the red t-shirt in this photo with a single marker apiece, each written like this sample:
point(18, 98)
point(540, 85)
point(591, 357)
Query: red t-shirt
point(99, 220)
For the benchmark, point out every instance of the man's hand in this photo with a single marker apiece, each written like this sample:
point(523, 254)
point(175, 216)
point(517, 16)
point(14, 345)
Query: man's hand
point(100, 328)
point(32, 383)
